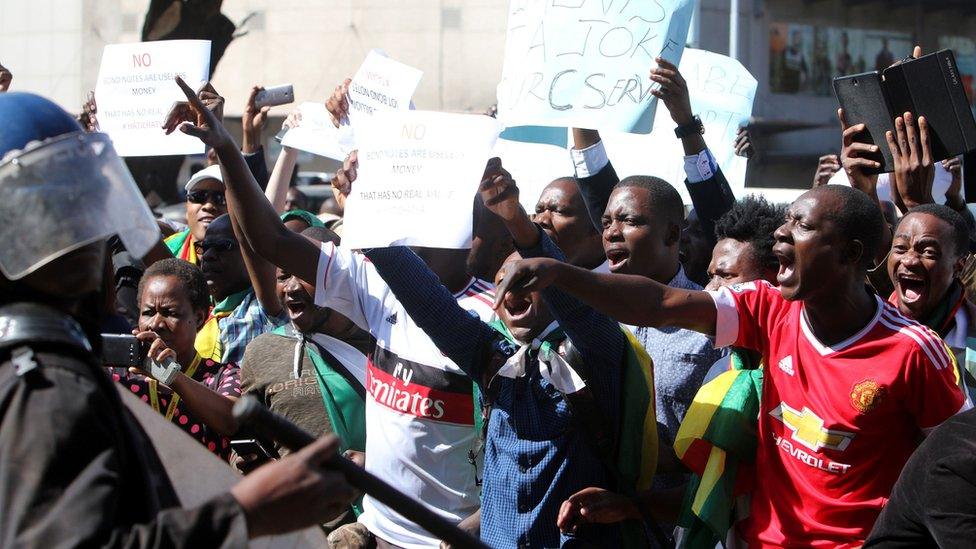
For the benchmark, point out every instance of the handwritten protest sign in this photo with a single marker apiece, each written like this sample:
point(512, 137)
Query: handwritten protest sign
point(315, 133)
point(136, 89)
point(380, 84)
point(721, 92)
point(585, 64)
point(418, 175)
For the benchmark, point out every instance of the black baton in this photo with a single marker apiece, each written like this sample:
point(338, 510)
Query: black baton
point(250, 413)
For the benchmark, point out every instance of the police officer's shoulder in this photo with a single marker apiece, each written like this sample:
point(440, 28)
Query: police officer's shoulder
point(35, 337)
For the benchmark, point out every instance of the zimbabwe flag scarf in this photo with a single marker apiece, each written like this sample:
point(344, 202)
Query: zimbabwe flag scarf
point(717, 441)
point(181, 246)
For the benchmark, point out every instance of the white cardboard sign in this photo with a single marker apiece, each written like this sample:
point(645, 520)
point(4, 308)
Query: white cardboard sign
point(136, 89)
point(586, 63)
point(381, 84)
point(418, 175)
point(315, 133)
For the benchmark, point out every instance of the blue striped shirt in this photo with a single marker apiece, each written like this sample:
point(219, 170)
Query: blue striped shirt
point(534, 456)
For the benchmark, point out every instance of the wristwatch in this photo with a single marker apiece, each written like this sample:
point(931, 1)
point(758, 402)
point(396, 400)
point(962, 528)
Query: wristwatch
point(164, 372)
point(691, 128)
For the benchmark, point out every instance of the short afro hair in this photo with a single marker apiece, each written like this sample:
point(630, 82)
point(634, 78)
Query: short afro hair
point(858, 217)
point(664, 199)
point(189, 275)
point(753, 220)
point(960, 230)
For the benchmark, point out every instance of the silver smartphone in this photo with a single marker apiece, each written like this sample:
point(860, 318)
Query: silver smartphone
point(278, 95)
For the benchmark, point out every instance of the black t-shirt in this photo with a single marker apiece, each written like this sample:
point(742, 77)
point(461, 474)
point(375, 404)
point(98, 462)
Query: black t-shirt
point(933, 503)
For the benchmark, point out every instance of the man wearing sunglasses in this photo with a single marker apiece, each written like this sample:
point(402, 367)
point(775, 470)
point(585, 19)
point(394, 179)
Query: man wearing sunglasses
point(204, 202)
point(237, 316)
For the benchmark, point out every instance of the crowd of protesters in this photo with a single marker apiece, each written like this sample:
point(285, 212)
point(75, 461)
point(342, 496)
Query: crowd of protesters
point(608, 370)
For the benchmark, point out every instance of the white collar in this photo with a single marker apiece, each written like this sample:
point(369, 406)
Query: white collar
point(824, 350)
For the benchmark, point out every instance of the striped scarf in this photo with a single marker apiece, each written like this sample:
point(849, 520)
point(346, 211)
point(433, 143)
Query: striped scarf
point(717, 441)
point(181, 246)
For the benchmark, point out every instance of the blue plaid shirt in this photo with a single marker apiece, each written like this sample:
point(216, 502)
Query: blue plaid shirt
point(246, 322)
point(534, 457)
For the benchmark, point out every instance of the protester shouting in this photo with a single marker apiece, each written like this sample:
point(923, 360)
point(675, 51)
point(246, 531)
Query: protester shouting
point(850, 384)
point(710, 193)
point(928, 252)
point(313, 371)
point(644, 232)
point(423, 450)
point(529, 428)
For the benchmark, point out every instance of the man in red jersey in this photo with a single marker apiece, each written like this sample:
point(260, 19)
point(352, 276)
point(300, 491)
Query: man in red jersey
point(851, 385)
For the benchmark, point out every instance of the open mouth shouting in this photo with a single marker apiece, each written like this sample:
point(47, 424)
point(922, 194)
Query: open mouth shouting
point(296, 307)
point(786, 276)
point(911, 287)
point(517, 308)
point(617, 257)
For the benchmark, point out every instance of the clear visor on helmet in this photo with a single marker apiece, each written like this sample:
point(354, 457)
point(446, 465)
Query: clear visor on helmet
point(59, 195)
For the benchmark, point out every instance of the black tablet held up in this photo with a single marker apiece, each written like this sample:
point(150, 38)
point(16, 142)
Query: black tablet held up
point(929, 86)
point(863, 100)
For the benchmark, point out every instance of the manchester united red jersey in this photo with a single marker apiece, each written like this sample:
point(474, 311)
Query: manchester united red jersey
point(837, 423)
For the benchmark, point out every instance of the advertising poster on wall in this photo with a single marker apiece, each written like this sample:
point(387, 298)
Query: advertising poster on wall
point(790, 57)
point(803, 59)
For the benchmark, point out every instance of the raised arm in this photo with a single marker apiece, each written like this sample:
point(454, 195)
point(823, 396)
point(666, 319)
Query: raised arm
point(260, 272)
point(631, 299)
point(253, 121)
point(595, 175)
point(954, 194)
point(460, 336)
point(707, 186)
point(277, 190)
point(711, 196)
point(259, 223)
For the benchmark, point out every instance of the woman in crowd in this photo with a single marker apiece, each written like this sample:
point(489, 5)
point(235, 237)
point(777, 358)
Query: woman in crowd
point(204, 202)
point(173, 304)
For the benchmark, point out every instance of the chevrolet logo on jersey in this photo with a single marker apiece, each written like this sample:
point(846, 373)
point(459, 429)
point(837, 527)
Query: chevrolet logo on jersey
point(808, 429)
